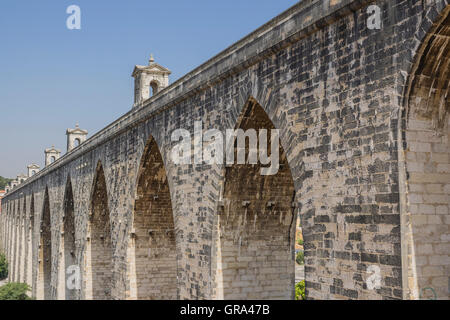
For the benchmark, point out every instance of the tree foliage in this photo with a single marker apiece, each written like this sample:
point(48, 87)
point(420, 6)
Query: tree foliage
point(4, 182)
point(15, 291)
point(3, 267)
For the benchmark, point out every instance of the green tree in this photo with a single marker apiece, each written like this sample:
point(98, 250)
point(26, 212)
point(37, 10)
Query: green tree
point(3, 267)
point(4, 182)
point(15, 291)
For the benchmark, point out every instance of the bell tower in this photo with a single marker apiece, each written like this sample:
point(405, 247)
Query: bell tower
point(32, 170)
point(149, 80)
point(75, 137)
point(51, 155)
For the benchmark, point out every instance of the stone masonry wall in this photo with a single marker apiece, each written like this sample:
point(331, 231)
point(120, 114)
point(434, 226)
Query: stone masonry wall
point(334, 89)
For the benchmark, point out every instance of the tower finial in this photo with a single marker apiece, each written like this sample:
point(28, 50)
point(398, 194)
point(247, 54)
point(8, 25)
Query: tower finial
point(151, 59)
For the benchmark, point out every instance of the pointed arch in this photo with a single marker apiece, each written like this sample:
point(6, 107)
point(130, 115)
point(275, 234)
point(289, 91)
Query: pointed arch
point(16, 241)
point(99, 255)
point(30, 250)
point(22, 257)
point(12, 240)
point(428, 90)
point(424, 164)
point(2, 224)
point(256, 223)
point(45, 250)
point(10, 236)
point(68, 235)
point(5, 238)
point(152, 244)
point(10, 222)
point(6, 228)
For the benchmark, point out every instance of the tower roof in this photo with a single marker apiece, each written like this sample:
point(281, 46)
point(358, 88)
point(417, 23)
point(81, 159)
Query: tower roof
point(21, 175)
point(52, 150)
point(152, 67)
point(76, 130)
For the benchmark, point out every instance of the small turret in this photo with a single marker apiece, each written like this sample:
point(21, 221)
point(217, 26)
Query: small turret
point(149, 80)
point(75, 137)
point(51, 155)
point(32, 169)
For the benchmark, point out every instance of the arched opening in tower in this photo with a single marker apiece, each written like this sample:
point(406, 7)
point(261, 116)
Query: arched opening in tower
point(69, 241)
point(153, 88)
point(45, 251)
point(99, 264)
point(257, 222)
point(153, 234)
point(427, 157)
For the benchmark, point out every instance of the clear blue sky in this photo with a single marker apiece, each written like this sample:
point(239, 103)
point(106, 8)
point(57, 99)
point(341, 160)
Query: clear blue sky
point(52, 77)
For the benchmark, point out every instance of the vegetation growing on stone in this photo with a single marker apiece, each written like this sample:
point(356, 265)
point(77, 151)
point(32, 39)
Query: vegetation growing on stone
point(300, 259)
point(3, 267)
point(15, 291)
point(300, 291)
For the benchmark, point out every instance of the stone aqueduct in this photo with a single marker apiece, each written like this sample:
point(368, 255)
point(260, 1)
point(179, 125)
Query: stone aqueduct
point(363, 116)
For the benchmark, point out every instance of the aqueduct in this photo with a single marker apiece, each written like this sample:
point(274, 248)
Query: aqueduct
point(363, 115)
